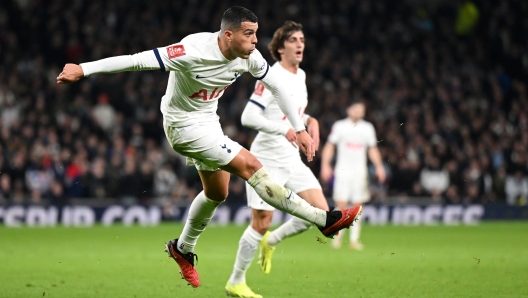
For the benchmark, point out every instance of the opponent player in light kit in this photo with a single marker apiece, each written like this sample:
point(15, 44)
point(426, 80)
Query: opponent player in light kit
point(201, 67)
point(275, 147)
point(355, 138)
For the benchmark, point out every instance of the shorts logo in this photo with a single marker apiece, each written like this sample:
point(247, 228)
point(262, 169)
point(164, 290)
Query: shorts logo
point(225, 147)
point(175, 51)
point(259, 89)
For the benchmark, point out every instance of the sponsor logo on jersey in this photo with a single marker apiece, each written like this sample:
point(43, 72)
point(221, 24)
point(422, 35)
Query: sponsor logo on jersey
point(259, 89)
point(175, 51)
point(354, 146)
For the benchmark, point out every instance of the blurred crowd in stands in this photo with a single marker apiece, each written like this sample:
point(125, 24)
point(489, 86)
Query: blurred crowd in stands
point(445, 83)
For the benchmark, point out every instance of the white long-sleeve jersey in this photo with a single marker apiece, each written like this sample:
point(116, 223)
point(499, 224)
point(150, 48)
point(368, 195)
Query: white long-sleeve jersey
point(352, 141)
point(199, 74)
point(262, 113)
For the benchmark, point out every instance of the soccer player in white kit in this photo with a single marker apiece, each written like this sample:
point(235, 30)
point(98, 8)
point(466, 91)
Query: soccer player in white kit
point(275, 147)
point(201, 67)
point(354, 138)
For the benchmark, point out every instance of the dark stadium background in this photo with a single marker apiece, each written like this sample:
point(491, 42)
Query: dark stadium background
point(447, 94)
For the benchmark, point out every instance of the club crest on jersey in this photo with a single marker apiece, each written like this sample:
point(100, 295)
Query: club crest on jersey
point(175, 51)
point(237, 74)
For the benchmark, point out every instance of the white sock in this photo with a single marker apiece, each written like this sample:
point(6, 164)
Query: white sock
point(355, 231)
point(247, 246)
point(200, 213)
point(290, 228)
point(284, 199)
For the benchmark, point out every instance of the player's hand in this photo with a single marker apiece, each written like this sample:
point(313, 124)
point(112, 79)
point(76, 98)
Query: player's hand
point(326, 172)
point(70, 73)
point(380, 173)
point(292, 137)
point(306, 144)
point(313, 131)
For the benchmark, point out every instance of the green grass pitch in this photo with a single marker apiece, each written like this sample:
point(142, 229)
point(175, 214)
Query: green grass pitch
point(489, 260)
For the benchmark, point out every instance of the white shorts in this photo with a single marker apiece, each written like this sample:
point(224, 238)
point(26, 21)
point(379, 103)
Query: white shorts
point(351, 188)
point(204, 144)
point(297, 177)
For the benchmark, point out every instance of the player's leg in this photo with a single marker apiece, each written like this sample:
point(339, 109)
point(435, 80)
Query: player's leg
point(202, 145)
point(341, 194)
point(247, 246)
point(206, 147)
point(291, 227)
point(216, 185)
point(360, 195)
point(296, 225)
point(261, 216)
point(303, 182)
point(249, 243)
point(246, 166)
point(201, 211)
point(355, 232)
point(337, 242)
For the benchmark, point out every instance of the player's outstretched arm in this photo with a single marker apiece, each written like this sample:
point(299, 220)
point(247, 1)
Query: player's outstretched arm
point(140, 61)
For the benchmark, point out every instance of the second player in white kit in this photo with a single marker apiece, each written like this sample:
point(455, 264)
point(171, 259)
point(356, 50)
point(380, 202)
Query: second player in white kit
point(279, 156)
point(355, 139)
point(352, 140)
point(275, 147)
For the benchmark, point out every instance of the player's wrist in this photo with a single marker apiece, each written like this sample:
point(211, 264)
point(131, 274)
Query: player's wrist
point(300, 131)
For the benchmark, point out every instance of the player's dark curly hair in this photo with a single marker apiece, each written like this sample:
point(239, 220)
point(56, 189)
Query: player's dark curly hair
point(235, 15)
point(280, 36)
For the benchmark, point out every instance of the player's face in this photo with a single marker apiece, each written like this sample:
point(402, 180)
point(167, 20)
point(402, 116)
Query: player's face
point(243, 40)
point(293, 48)
point(356, 111)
